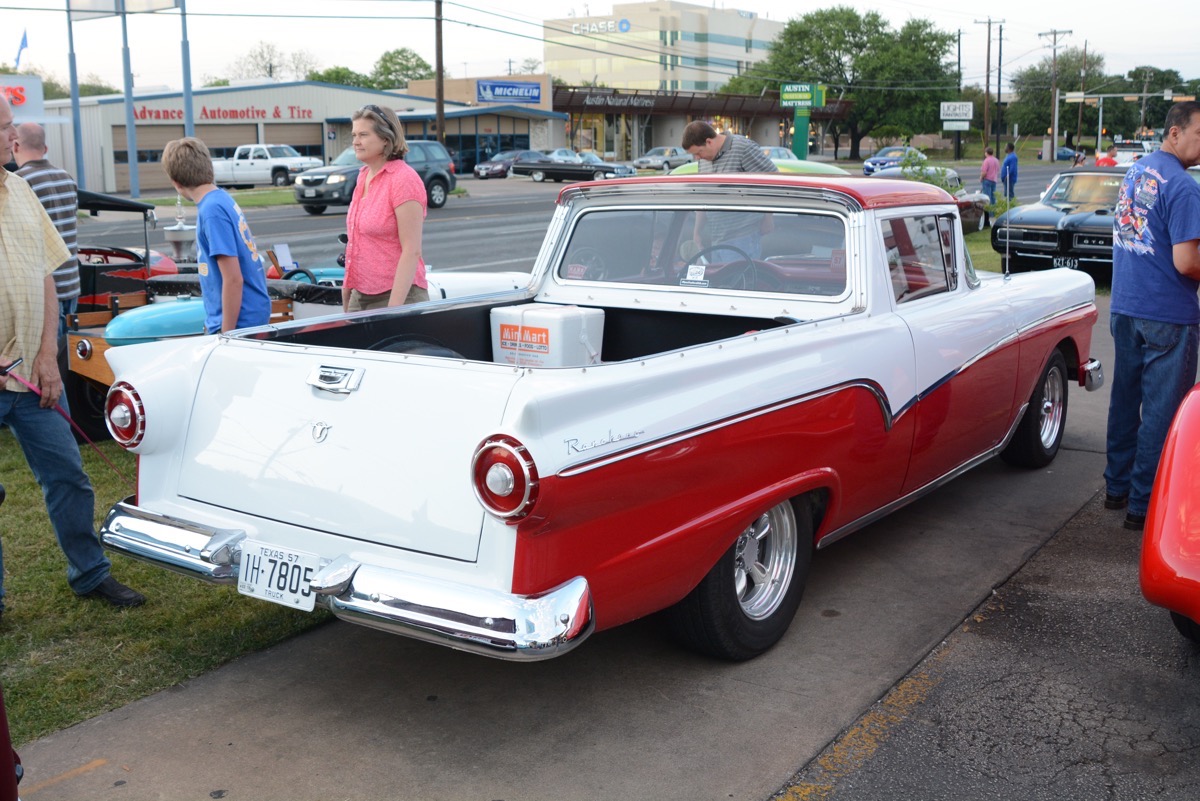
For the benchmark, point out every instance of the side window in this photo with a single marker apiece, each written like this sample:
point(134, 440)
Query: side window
point(258, 153)
point(416, 154)
point(919, 255)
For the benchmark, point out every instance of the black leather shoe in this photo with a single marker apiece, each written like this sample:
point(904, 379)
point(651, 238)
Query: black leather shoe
point(1116, 501)
point(1135, 522)
point(116, 593)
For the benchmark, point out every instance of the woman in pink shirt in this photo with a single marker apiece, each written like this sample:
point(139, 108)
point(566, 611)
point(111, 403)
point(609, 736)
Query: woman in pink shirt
point(387, 210)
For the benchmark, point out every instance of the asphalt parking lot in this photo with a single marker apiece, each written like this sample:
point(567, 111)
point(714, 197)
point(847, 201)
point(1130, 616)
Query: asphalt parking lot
point(906, 676)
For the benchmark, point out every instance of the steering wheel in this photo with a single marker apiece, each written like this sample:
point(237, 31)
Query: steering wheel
point(731, 277)
point(594, 268)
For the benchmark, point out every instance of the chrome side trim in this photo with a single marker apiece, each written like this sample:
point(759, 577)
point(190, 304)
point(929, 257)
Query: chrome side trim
point(920, 492)
point(885, 410)
point(483, 621)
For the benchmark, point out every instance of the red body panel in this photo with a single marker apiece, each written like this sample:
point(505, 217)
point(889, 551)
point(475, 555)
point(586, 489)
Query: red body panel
point(644, 530)
point(1170, 568)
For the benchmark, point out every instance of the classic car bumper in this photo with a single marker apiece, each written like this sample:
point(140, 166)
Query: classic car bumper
point(483, 621)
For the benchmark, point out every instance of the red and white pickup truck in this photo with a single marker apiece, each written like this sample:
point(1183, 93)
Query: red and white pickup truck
point(706, 378)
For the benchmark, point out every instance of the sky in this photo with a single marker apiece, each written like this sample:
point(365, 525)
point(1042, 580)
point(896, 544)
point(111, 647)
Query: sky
point(489, 38)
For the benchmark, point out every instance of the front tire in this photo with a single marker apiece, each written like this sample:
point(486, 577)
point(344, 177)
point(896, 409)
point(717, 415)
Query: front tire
point(1186, 626)
point(315, 209)
point(598, 175)
point(279, 178)
point(746, 602)
point(1040, 432)
point(538, 176)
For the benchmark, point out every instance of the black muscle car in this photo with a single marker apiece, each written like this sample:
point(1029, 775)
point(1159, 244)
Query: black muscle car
point(1071, 226)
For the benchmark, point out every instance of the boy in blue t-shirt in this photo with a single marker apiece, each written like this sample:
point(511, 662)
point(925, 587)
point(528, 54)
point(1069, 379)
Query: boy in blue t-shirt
point(233, 280)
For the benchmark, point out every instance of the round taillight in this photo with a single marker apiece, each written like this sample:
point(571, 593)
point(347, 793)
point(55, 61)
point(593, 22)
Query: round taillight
point(505, 478)
point(124, 415)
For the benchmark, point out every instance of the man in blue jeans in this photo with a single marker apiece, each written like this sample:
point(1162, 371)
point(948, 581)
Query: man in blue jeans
point(1155, 313)
point(30, 250)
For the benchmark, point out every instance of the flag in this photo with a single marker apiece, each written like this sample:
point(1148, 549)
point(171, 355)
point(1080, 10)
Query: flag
point(21, 49)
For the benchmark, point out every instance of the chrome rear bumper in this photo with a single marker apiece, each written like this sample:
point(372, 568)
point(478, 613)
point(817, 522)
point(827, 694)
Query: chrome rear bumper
point(483, 621)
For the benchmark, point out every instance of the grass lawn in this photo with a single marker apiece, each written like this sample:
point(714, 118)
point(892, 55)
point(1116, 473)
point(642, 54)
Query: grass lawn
point(64, 659)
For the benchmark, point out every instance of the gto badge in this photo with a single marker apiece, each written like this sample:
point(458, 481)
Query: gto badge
point(320, 431)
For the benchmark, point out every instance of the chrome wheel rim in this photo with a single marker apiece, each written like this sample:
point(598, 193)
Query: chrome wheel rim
point(1053, 407)
point(765, 561)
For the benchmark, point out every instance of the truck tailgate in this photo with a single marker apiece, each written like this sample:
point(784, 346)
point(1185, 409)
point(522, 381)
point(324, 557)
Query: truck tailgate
point(387, 462)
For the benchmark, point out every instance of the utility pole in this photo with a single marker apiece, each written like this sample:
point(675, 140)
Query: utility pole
point(987, 80)
point(1145, 89)
point(440, 79)
point(1054, 34)
point(999, 65)
point(1082, 88)
point(957, 134)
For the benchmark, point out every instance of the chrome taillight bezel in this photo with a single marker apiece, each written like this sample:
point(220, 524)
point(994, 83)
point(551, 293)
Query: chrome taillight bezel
point(123, 399)
point(494, 456)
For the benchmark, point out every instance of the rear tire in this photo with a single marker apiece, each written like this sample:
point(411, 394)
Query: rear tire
point(1040, 432)
point(744, 605)
point(438, 192)
point(315, 209)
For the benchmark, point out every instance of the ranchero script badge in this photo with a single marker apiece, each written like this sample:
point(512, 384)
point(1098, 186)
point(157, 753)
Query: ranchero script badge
point(320, 431)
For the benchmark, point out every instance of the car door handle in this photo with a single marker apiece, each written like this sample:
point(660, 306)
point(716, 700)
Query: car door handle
point(338, 380)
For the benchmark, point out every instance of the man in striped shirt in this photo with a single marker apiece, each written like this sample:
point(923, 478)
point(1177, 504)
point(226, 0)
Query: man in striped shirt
point(739, 232)
point(57, 192)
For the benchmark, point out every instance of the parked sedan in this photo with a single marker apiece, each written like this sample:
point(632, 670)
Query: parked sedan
point(890, 157)
point(1071, 226)
point(499, 165)
point(1064, 153)
point(781, 153)
point(564, 155)
point(663, 158)
point(610, 169)
point(1170, 565)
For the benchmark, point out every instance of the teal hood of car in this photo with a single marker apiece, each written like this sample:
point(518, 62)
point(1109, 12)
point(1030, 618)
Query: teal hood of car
point(170, 318)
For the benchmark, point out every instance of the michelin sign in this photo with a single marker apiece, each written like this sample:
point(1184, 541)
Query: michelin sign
point(507, 92)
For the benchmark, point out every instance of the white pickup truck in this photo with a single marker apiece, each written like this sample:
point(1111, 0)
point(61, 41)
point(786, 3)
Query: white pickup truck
point(652, 424)
point(253, 165)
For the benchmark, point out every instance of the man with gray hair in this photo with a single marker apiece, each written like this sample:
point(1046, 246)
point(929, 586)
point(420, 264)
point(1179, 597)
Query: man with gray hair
point(59, 196)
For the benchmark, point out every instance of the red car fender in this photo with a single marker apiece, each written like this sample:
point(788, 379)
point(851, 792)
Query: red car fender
point(1170, 566)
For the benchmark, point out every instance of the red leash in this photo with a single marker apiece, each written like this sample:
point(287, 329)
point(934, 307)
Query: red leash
point(7, 372)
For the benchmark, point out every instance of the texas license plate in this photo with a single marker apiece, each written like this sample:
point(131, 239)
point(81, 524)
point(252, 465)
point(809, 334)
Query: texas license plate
point(279, 575)
point(310, 193)
point(1069, 262)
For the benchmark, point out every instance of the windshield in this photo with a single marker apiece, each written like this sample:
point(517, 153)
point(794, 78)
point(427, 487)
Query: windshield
point(282, 151)
point(505, 155)
point(658, 151)
point(1093, 189)
point(890, 153)
point(346, 159)
point(798, 253)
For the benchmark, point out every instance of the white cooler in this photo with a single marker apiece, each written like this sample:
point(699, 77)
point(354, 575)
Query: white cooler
point(544, 335)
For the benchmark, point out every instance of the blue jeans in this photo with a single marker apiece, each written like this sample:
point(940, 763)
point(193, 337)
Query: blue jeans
point(65, 309)
point(989, 189)
point(1154, 368)
point(1010, 188)
point(45, 439)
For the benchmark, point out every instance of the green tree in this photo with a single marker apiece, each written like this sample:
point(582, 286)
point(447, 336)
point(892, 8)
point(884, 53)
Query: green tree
point(342, 76)
point(1032, 104)
point(530, 66)
point(53, 89)
point(396, 68)
point(888, 76)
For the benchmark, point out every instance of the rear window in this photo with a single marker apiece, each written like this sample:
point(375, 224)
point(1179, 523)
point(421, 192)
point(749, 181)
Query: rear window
point(795, 253)
point(1085, 188)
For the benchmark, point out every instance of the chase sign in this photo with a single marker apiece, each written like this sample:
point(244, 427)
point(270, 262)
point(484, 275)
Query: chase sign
point(507, 92)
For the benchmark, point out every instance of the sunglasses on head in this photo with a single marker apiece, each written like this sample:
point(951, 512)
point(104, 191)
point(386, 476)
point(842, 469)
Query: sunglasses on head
point(374, 109)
